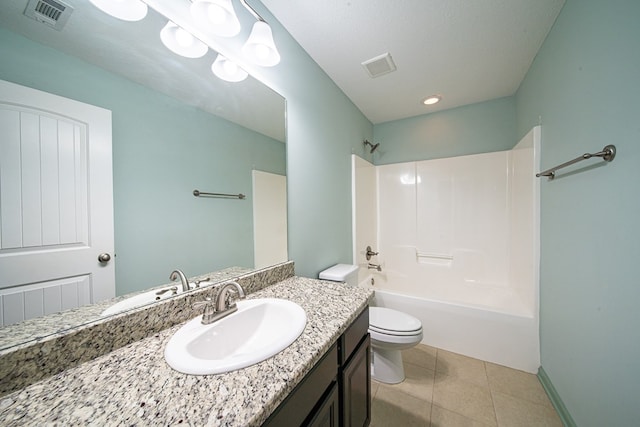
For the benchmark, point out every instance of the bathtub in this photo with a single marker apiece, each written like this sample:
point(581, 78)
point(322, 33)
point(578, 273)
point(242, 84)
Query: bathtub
point(505, 338)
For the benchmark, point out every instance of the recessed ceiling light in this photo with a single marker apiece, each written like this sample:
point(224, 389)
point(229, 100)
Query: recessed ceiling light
point(433, 99)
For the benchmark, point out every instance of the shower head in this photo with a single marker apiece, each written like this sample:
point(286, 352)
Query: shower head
point(373, 146)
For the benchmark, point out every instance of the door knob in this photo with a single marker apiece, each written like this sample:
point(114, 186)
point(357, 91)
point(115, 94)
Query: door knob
point(104, 258)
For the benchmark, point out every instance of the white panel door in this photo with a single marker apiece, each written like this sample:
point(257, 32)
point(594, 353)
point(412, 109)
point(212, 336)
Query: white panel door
point(56, 203)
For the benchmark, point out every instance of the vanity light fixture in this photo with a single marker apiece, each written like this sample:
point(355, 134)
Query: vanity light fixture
point(260, 47)
point(433, 99)
point(228, 70)
point(182, 42)
point(218, 16)
point(127, 10)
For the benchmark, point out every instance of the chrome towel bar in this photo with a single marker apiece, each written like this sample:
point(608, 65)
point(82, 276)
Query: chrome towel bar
point(608, 153)
point(199, 193)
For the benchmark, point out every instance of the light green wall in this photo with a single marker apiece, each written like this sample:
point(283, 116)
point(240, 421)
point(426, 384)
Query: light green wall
point(478, 128)
point(585, 85)
point(323, 129)
point(162, 150)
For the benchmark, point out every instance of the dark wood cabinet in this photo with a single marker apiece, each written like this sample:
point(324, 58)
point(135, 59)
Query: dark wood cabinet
point(328, 412)
point(356, 387)
point(337, 391)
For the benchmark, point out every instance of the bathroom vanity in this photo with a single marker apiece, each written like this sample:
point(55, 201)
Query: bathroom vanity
point(321, 379)
point(337, 392)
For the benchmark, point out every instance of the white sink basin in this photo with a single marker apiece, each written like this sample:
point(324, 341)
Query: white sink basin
point(259, 329)
point(138, 301)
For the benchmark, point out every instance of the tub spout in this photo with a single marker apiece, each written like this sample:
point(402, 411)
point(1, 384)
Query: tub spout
point(374, 267)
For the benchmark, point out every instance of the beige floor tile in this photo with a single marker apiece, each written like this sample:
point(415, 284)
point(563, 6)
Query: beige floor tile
point(391, 407)
point(465, 398)
point(462, 367)
point(517, 384)
point(374, 388)
point(421, 355)
point(418, 382)
point(514, 412)
point(441, 417)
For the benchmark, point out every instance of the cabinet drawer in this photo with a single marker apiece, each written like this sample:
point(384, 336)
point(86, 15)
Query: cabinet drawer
point(352, 336)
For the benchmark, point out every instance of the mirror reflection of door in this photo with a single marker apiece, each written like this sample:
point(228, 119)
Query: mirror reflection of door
point(56, 204)
point(269, 218)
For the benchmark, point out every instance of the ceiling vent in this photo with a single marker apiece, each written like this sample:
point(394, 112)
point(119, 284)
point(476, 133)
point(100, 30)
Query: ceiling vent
point(380, 65)
point(53, 13)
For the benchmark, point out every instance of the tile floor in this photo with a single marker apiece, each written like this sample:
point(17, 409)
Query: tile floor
point(444, 389)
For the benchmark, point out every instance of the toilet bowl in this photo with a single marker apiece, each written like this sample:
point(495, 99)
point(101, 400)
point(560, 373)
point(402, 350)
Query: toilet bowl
point(391, 330)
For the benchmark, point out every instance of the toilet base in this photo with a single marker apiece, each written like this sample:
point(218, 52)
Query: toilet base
point(386, 366)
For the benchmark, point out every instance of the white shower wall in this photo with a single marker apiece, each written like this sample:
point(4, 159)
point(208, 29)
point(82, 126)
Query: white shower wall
point(455, 230)
point(459, 248)
point(365, 208)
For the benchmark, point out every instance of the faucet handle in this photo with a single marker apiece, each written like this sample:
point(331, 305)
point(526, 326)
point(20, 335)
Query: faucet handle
point(173, 290)
point(228, 301)
point(198, 282)
point(199, 304)
point(226, 292)
point(208, 312)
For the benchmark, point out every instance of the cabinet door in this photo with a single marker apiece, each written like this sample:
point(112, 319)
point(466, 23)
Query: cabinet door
point(356, 384)
point(327, 414)
point(305, 397)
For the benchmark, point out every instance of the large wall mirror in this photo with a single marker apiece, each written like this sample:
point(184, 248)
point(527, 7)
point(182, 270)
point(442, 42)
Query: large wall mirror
point(176, 128)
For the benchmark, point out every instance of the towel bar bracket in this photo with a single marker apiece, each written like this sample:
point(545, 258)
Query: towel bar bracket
point(609, 153)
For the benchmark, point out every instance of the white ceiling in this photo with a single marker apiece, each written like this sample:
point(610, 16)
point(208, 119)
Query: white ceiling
point(467, 51)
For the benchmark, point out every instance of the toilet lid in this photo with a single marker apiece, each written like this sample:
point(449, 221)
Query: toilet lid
point(387, 333)
point(390, 321)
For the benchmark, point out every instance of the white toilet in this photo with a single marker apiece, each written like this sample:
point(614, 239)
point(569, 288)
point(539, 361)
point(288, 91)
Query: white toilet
point(390, 330)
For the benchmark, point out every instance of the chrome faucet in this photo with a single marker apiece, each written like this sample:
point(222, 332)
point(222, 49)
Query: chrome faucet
point(223, 302)
point(223, 305)
point(175, 274)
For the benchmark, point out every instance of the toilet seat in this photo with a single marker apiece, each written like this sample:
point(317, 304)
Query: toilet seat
point(384, 331)
point(384, 340)
point(392, 322)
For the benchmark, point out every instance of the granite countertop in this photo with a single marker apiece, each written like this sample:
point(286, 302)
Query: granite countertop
point(37, 328)
point(134, 386)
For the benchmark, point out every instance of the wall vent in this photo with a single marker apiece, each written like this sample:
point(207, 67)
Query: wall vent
point(380, 65)
point(53, 13)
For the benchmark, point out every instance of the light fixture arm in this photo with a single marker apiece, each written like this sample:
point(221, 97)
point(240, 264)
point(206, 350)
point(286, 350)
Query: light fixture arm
point(251, 10)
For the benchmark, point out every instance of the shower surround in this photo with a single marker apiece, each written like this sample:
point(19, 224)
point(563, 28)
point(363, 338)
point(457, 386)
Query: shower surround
point(458, 241)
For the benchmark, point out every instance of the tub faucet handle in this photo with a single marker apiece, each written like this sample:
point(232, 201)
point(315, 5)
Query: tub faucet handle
point(370, 253)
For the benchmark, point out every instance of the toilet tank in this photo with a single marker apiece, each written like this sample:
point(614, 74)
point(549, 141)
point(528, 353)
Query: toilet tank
point(341, 273)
